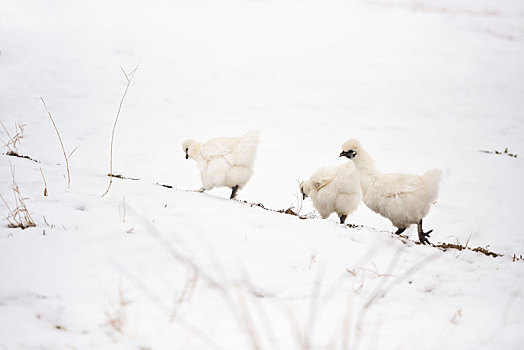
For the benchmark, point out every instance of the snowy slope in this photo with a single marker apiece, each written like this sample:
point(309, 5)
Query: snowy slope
point(420, 83)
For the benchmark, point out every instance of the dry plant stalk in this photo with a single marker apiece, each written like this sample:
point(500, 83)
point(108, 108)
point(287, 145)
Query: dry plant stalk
point(122, 212)
point(129, 77)
point(118, 319)
point(186, 294)
point(61, 144)
point(45, 183)
point(18, 217)
point(13, 140)
point(246, 320)
point(382, 289)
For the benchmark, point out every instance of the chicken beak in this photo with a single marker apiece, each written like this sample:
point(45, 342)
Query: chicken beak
point(302, 192)
point(349, 154)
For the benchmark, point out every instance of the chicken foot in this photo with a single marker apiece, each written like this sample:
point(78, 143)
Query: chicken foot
point(423, 236)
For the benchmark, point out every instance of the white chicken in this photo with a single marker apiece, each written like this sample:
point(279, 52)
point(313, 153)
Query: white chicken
point(402, 198)
point(334, 189)
point(224, 161)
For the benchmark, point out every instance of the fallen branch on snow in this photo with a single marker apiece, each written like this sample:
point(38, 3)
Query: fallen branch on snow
point(13, 154)
point(499, 152)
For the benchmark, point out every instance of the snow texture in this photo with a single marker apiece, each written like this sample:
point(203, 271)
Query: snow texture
point(421, 83)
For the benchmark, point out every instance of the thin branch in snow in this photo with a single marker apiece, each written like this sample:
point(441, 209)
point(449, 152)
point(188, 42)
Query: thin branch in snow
point(45, 183)
point(383, 289)
point(61, 144)
point(129, 77)
point(246, 320)
point(313, 308)
point(117, 318)
point(187, 292)
point(73, 151)
point(122, 212)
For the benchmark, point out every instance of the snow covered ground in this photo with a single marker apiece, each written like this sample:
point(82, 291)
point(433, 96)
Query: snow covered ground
point(421, 83)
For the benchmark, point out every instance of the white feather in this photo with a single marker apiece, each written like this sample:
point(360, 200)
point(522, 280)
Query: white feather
point(334, 189)
point(404, 199)
point(224, 161)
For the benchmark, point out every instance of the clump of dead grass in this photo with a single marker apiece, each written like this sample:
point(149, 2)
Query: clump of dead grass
point(13, 140)
point(117, 317)
point(18, 216)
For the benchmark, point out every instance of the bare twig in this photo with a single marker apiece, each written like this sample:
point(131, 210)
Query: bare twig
point(48, 225)
point(313, 308)
point(129, 77)
point(61, 144)
point(186, 293)
point(465, 247)
point(246, 320)
point(383, 289)
point(45, 183)
point(11, 141)
point(236, 310)
point(73, 151)
point(264, 320)
point(122, 213)
point(117, 318)
point(162, 307)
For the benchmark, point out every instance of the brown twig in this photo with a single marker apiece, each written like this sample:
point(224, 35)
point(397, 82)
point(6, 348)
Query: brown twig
point(45, 183)
point(186, 293)
point(129, 77)
point(117, 318)
point(11, 141)
point(61, 144)
point(73, 151)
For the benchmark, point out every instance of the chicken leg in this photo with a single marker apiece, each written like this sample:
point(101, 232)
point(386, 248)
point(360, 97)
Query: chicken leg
point(234, 192)
point(400, 230)
point(343, 218)
point(423, 236)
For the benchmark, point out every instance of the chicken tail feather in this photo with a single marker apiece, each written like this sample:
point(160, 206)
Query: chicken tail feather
point(432, 180)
